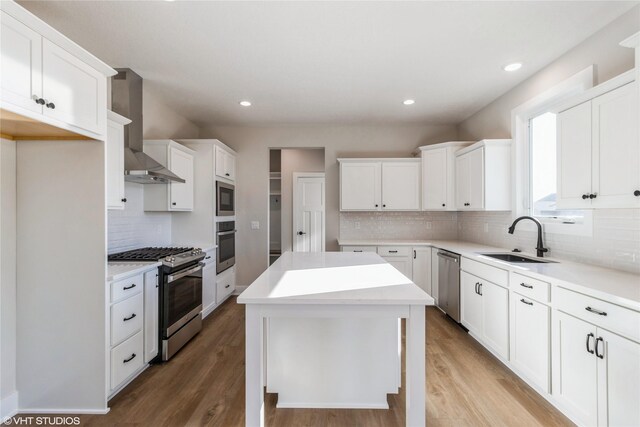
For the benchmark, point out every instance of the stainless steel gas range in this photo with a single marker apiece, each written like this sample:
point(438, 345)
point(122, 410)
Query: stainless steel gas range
point(180, 302)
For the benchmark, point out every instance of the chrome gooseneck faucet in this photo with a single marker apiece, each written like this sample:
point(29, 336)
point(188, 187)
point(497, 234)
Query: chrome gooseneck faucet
point(540, 248)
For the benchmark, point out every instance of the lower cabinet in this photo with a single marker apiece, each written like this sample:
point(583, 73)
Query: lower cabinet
point(225, 284)
point(421, 268)
point(597, 379)
point(399, 257)
point(485, 312)
point(209, 286)
point(530, 340)
point(151, 312)
point(126, 359)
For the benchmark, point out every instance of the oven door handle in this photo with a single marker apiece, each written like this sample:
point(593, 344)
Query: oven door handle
point(225, 233)
point(174, 277)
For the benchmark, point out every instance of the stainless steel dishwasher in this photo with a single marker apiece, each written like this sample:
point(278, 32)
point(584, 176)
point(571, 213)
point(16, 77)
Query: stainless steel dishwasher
point(449, 283)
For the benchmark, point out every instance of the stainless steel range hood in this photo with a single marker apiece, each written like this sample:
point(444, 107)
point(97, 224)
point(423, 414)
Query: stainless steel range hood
point(126, 100)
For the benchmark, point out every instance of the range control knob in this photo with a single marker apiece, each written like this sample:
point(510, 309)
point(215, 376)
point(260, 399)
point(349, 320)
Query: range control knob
point(168, 259)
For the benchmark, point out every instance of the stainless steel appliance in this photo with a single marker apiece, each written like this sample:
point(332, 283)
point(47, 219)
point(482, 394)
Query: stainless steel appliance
point(226, 241)
point(180, 302)
point(449, 283)
point(225, 199)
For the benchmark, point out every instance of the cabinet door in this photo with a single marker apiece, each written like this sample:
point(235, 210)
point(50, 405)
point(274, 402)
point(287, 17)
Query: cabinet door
point(225, 164)
point(616, 150)
point(434, 274)
point(20, 64)
point(230, 166)
point(360, 186)
point(530, 338)
point(421, 268)
point(434, 179)
point(115, 166)
point(574, 157)
point(75, 92)
point(462, 182)
point(575, 384)
point(471, 303)
point(495, 317)
point(181, 164)
point(618, 381)
point(475, 179)
point(401, 186)
point(151, 306)
point(208, 287)
point(402, 264)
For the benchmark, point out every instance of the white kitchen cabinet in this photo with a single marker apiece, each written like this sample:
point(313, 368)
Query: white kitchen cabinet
point(46, 77)
point(115, 160)
point(225, 284)
point(360, 186)
point(483, 176)
point(399, 257)
point(380, 184)
point(485, 312)
point(175, 196)
point(421, 267)
point(209, 283)
point(225, 164)
point(530, 340)
point(20, 65)
point(434, 274)
point(438, 175)
point(151, 311)
point(598, 151)
point(401, 186)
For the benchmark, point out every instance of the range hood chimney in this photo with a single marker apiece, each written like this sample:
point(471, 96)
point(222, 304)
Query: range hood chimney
point(126, 100)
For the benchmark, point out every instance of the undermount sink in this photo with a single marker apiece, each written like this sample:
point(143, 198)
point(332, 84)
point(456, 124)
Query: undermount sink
point(519, 259)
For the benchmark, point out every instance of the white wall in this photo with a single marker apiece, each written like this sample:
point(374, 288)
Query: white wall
point(616, 233)
point(295, 160)
point(133, 227)
point(252, 145)
point(8, 394)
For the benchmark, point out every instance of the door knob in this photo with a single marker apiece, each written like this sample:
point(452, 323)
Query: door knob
point(300, 233)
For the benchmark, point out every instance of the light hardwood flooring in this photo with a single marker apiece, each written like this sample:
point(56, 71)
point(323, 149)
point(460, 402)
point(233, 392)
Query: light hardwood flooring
point(204, 385)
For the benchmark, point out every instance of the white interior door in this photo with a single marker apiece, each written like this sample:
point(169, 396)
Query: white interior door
point(308, 212)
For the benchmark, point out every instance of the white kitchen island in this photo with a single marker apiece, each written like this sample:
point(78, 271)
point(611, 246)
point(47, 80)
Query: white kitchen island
point(330, 324)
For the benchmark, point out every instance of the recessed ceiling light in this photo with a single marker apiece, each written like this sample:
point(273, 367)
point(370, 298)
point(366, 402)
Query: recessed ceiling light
point(245, 103)
point(513, 67)
point(408, 102)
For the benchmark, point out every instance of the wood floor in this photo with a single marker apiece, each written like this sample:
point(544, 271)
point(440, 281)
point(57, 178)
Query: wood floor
point(204, 385)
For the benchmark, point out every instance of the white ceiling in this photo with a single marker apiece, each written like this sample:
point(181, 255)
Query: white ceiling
point(327, 62)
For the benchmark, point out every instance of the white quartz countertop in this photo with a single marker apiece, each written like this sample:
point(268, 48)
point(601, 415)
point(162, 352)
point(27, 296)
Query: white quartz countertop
point(121, 270)
point(333, 278)
point(613, 285)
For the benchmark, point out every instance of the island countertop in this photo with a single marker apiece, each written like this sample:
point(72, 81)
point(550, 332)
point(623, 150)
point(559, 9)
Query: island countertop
point(333, 278)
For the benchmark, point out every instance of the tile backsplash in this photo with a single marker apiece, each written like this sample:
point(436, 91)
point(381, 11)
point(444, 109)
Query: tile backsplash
point(615, 242)
point(398, 225)
point(133, 227)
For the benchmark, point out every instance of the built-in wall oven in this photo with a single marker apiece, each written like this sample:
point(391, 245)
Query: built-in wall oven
point(225, 199)
point(226, 241)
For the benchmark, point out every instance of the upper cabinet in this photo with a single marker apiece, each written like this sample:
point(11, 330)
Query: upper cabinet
point(483, 176)
point(115, 160)
point(380, 184)
point(599, 150)
point(225, 164)
point(175, 196)
point(48, 81)
point(438, 175)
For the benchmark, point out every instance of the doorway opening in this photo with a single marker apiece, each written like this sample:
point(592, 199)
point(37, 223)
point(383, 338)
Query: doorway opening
point(294, 172)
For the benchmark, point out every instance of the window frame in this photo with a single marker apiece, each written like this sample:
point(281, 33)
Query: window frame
point(521, 154)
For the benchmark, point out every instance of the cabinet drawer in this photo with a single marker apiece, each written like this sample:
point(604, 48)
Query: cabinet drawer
point(359, 249)
point(617, 319)
point(126, 359)
point(127, 287)
point(487, 272)
point(532, 288)
point(126, 318)
point(386, 251)
point(225, 285)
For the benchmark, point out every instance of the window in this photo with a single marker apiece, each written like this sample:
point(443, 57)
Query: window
point(542, 170)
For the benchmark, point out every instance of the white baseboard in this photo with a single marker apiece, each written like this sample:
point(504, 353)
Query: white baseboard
point(9, 406)
point(333, 405)
point(69, 411)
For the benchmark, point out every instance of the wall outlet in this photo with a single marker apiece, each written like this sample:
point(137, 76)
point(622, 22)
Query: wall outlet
point(428, 225)
point(357, 224)
point(255, 225)
point(486, 227)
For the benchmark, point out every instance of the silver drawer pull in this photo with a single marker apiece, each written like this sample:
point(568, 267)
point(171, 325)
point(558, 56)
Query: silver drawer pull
point(524, 285)
point(598, 312)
